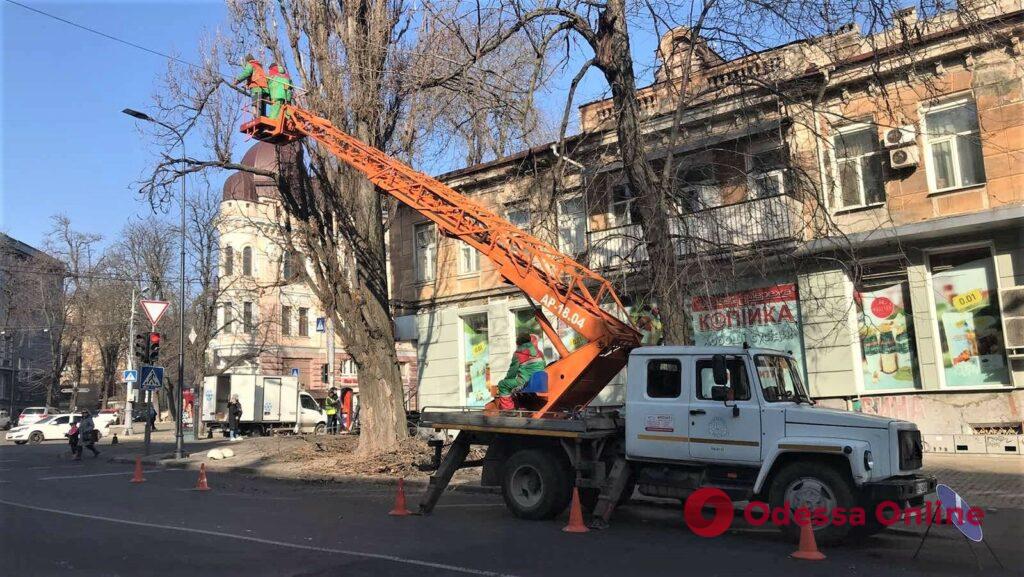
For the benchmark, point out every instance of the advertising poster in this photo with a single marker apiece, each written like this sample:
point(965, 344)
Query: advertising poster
point(476, 355)
point(766, 317)
point(969, 324)
point(888, 356)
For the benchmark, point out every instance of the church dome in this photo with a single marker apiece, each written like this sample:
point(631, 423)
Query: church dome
point(251, 187)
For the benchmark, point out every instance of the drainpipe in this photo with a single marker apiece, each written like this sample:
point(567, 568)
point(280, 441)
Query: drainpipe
point(554, 150)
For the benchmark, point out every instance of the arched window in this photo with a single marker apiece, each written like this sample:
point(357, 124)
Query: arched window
point(229, 261)
point(247, 261)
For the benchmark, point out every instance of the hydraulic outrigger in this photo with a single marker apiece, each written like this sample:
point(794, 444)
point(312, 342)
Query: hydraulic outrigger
point(569, 291)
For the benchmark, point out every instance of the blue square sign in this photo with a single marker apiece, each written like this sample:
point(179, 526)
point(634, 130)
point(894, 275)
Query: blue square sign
point(151, 378)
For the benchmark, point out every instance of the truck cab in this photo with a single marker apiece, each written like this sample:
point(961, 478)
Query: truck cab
point(741, 419)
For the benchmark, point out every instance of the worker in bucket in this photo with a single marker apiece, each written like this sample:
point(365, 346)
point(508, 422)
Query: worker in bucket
point(280, 88)
point(256, 81)
point(526, 360)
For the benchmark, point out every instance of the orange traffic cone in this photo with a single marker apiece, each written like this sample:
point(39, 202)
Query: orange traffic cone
point(575, 515)
point(201, 485)
point(138, 478)
point(400, 510)
point(808, 549)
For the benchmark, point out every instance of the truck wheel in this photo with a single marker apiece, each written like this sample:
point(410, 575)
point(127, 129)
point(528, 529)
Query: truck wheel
point(535, 484)
point(813, 485)
point(320, 429)
point(36, 437)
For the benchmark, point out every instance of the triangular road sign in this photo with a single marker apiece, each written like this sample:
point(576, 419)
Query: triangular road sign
point(154, 310)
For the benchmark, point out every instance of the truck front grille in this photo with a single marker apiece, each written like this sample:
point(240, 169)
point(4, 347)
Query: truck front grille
point(910, 450)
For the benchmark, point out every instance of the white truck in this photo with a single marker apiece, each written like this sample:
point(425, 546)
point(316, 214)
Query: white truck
point(737, 419)
point(269, 403)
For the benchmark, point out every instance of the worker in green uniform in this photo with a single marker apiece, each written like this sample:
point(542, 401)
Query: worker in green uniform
point(280, 88)
point(256, 81)
point(526, 360)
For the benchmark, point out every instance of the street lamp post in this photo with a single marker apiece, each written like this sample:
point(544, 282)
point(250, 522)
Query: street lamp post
point(178, 431)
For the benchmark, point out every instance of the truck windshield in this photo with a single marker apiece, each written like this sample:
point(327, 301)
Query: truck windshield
point(780, 379)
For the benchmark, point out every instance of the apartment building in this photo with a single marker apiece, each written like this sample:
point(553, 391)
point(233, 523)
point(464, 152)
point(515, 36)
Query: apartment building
point(856, 199)
point(270, 322)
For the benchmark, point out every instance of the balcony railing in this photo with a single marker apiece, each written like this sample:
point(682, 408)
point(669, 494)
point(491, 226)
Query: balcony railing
point(724, 228)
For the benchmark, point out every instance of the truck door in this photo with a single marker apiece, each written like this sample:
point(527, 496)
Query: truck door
point(656, 409)
point(272, 399)
point(724, 430)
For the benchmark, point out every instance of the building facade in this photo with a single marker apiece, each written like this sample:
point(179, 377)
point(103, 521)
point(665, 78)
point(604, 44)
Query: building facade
point(30, 323)
point(856, 199)
point(269, 321)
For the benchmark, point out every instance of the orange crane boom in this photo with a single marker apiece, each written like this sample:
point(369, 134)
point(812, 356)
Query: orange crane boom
point(569, 291)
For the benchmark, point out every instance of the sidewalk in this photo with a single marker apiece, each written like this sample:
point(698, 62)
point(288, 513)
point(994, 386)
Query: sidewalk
point(984, 481)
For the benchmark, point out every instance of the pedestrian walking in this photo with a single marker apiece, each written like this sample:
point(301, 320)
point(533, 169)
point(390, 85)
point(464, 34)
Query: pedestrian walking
point(151, 417)
point(234, 416)
point(73, 438)
point(88, 434)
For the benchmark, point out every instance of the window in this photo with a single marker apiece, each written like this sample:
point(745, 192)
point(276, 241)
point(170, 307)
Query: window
point(526, 323)
point(738, 381)
point(664, 379)
point(247, 322)
point(476, 371)
point(696, 189)
point(469, 259)
point(60, 420)
point(953, 146)
point(624, 208)
point(229, 317)
point(309, 403)
point(247, 261)
point(303, 322)
point(780, 378)
point(886, 326)
point(348, 368)
point(286, 320)
point(965, 290)
point(519, 217)
point(425, 239)
point(858, 167)
point(229, 261)
point(766, 173)
point(288, 266)
point(572, 226)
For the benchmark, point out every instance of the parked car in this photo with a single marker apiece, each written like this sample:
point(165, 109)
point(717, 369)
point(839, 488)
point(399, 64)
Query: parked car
point(52, 427)
point(107, 417)
point(5, 419)
point(33, 414)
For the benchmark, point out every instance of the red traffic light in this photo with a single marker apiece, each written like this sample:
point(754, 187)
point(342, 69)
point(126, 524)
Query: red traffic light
point(154, 338)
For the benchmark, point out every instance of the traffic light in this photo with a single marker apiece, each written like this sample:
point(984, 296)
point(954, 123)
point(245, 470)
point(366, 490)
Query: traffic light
point(323, 373)
point(140, 347)
point(153, 353)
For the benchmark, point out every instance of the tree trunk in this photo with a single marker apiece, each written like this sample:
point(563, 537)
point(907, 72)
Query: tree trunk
point(613, 58)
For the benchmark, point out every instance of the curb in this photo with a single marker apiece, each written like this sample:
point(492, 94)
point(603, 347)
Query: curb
point(168, 462)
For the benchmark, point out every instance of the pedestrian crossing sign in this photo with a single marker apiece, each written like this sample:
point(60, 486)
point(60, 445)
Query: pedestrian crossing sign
point(151, 377)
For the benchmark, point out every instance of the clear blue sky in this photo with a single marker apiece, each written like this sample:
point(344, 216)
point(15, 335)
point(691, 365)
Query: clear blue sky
point(66, 147)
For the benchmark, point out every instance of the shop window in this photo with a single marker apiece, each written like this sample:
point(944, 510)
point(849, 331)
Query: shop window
point(858, 167)
point(967, 312)
point(286, 320)
point(664, 379)
point(526, 324)
point(476, 370)
point(572, 226)
point(425, 238)
point(469, 259)
point(303, 322)
point(888, 350)
point(953, 143)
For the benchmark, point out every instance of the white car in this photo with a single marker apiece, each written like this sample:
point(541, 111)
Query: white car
point(33, 414)
point(54, 427)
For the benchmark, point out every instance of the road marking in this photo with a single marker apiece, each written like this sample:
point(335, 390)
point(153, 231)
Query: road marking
point(98, 475)
point(246, 495)
point(469, 505)
point(37, 468)
point(350, 553)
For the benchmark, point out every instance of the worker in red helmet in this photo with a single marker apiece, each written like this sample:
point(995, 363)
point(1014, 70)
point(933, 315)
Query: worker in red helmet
point(280, 88)
point(526, 360)
point(256, 81)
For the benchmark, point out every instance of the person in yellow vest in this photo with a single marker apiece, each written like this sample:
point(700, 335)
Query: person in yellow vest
point(331, 404)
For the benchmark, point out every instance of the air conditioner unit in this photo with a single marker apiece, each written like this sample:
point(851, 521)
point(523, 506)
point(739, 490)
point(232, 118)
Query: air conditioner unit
point(901, 136)
point(1012, 304)
point(904, 157)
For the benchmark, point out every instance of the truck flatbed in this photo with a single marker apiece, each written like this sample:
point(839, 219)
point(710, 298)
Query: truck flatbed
point(589, 425)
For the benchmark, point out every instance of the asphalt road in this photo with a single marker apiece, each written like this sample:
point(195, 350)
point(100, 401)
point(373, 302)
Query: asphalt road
point(59, 517)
